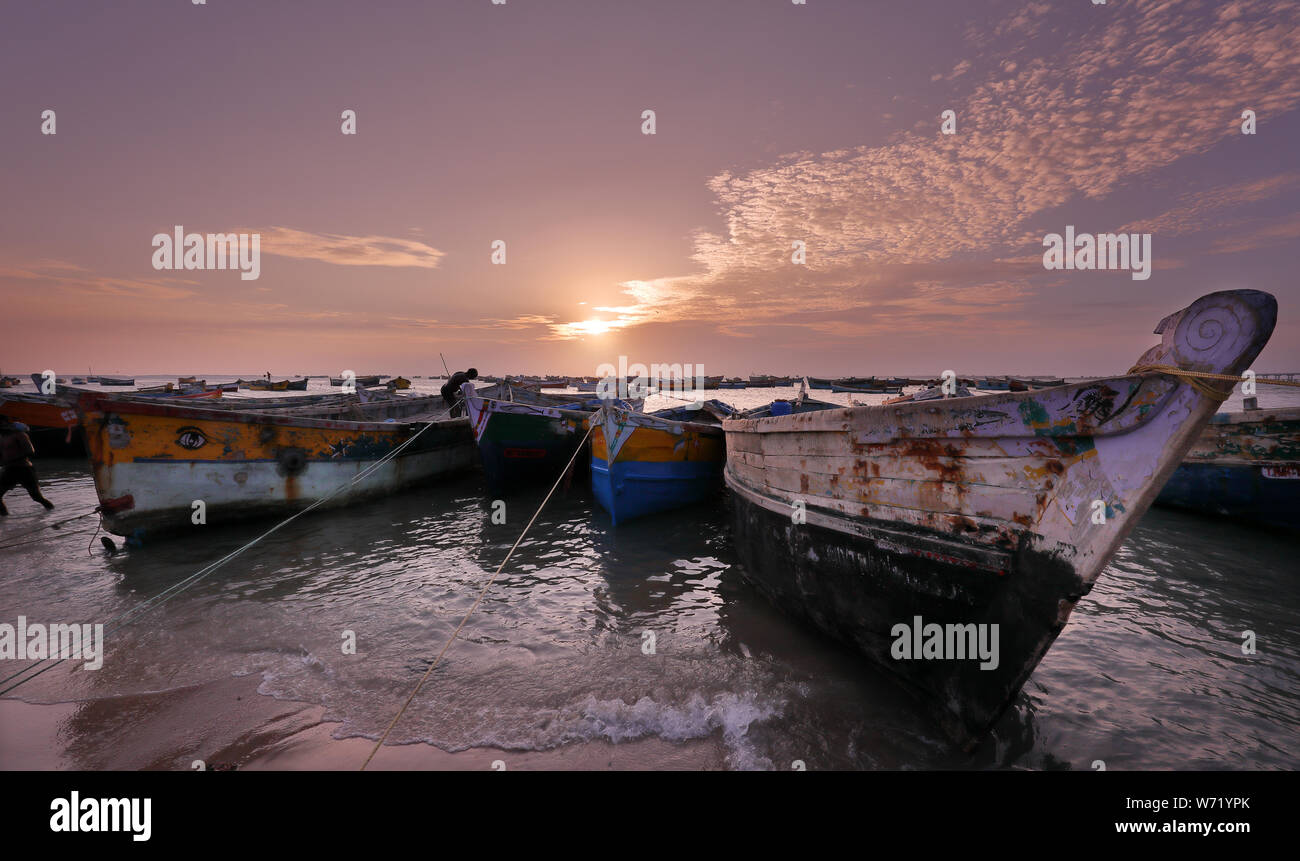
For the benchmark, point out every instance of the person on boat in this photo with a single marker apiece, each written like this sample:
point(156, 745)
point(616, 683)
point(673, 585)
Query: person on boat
point(451, 390)
point(16, 451)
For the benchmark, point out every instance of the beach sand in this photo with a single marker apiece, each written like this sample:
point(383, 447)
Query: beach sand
point(228, 724)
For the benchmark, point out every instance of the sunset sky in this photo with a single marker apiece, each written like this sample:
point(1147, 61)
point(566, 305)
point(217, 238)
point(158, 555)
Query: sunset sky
point(522, 122)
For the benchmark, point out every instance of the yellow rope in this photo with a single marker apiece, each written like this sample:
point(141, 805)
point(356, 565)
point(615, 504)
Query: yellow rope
point(1194, 378)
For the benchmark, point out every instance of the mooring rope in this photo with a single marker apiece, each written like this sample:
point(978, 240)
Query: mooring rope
point(1196, 378)
point(41, 538)
point(488, 585)
point(55, 525)
point(175, 589)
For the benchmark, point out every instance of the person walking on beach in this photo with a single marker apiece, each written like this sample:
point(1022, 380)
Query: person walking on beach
point(451, 390)
point(16, 450)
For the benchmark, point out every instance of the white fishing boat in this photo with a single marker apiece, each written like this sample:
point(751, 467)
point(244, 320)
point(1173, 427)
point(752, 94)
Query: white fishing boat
point(983, 517)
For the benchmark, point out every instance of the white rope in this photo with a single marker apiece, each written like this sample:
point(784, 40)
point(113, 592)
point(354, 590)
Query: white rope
point(174, 590)
point(488, 585)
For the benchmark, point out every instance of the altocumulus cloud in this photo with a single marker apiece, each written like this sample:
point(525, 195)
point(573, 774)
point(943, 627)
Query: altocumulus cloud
point(1127, 91)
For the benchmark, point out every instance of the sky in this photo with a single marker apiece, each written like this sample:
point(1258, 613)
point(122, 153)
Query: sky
point(523, 122)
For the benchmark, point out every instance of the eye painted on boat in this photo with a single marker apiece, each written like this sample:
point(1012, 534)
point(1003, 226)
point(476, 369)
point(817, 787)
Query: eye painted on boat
point(191, 438)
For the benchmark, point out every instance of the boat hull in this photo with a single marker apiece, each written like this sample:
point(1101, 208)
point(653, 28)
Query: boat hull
point(642, 466)
point(1244, 466)
point(523, 443)
point(151, 462)
point(856, 586)
point(999, 510)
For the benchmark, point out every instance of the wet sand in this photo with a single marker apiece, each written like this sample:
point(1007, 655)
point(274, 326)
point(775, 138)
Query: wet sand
point(228, 725)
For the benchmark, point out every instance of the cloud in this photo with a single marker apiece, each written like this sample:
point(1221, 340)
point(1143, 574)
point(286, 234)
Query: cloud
point(68, 277)
point(1203, 210)
point(931, 224)
point(342, 250)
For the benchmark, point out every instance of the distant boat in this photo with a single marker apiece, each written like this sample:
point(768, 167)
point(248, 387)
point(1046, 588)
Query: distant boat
point(177, 394)
point(39, 380)
point(1244, 466)
point(933, 393)
point(399, 383)
point(874, 390)
point(882, 524)
point(991, 385)
point(187, 380)
point(361, 382)
point(732, 384)
point(644, 463)
point(819, 383)
point(116, 381)
point(297, 385)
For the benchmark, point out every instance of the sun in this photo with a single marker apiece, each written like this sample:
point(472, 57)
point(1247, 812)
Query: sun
point(592, 327)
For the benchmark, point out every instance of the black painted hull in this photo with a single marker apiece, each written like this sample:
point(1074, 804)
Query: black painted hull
point(856, 589)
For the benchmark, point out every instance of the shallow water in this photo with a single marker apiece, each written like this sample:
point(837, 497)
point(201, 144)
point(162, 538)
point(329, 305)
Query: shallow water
point(1149, 672)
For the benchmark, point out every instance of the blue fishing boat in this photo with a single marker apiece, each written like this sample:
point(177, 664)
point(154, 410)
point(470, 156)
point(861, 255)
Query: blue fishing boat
point(1244, 466)
point(644, 463)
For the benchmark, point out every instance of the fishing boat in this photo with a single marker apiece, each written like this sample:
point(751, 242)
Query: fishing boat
point(644, 463)
point(733, 383)
point(152, 459)
point(1244, 466)
point(933, 393)
point(820, 383)
point(51, 420)
point(190, 381)
point(524, 435)
point(1020, 384)
point(10, 382)
point(992, 385)
point(397, 384)
point(866, 390)
point(115, 381)
point(881, 525)
point(360, 382)
point(179, 394)
point(39, 380)
point(267, 385)
point(789, 406)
